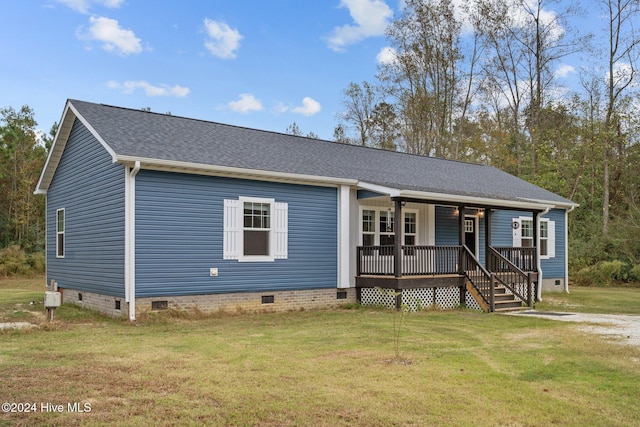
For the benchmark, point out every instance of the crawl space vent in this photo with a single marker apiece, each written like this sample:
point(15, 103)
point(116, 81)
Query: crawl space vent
point(159, 305)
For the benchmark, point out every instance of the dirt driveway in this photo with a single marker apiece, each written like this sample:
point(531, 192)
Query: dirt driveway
point(620, 327)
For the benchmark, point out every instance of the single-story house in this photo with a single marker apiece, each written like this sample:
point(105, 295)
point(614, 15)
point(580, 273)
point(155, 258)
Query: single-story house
point(149, 211)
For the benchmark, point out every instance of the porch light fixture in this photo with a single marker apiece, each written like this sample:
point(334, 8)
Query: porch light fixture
point(480, 213)
point(456, 212)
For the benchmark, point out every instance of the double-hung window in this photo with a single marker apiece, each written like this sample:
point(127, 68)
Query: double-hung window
point(255, 229)
point(378, 227)
point(523, 235)
point(60, 233)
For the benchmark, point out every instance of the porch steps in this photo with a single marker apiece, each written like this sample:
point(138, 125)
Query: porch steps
point(504, 300)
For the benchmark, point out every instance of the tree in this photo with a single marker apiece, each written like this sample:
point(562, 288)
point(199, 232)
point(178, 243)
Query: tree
point(522, 40)
point(384, 127)
point(294, 129)
point(425, 76)
point(21, 160)
point(622, 57)
point(359, 102)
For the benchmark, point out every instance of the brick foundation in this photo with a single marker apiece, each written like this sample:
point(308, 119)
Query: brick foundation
point(245, 301)
point(103, 303)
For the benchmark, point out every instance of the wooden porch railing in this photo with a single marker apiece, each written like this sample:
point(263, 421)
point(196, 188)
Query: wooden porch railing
point(522, 258)
point(482, 279)
point(416, 260)
point(520, 283)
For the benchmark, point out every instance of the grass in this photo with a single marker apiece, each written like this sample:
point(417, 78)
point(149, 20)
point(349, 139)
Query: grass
point(326, 368)
point(594, 300)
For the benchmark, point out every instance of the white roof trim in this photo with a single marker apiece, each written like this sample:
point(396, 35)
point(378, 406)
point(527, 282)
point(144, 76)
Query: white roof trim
point(59, 143)
point(455, 199)
point(556, 204)
point(482, 201)
point(205, 169)
point(94, 133)
point(391, 192)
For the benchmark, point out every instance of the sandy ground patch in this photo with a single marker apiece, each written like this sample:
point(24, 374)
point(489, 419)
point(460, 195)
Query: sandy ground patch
point(622, 327)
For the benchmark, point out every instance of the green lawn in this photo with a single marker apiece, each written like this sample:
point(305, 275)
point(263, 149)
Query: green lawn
point(594, 300)
point(327, 368)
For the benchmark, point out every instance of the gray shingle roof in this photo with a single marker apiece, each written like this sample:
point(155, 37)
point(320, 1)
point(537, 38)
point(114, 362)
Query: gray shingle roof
point(142, 134)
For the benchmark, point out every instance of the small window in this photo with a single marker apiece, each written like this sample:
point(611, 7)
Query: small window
point(468, 225)
point(60, 233)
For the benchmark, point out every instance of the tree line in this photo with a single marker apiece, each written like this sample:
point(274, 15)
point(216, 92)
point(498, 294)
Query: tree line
point(483, 86)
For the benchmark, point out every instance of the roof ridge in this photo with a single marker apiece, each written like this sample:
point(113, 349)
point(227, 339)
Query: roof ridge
point(309, 139)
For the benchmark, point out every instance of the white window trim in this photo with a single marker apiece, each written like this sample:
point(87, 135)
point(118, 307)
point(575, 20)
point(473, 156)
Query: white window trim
point(233, 245)
point(379, 210)
point(63, 233)
point(257, 258)
point(551, 240)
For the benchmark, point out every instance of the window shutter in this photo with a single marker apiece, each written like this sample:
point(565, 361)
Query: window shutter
point(516, 227)
point(280, 230)
point(232, 229)
point(551, 240)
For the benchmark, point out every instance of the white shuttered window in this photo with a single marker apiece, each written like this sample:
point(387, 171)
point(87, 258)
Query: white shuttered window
point(255, 229)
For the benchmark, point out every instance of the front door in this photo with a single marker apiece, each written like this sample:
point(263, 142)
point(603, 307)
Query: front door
point(470, 233)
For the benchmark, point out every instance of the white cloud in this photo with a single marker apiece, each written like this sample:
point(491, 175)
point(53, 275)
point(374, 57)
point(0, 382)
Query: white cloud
point(246, 103)
point(113, 37)
point(371, 18)
point(83, 6)
point(149, 89)
point(564, 70)
point(386, 56)
point(309, 107)
point(223, 41)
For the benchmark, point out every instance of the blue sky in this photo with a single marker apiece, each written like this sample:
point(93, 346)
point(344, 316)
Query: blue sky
point(260, 64)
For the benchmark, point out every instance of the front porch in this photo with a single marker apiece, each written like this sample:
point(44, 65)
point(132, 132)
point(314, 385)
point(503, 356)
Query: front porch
point(506, 278)
point(508, 281)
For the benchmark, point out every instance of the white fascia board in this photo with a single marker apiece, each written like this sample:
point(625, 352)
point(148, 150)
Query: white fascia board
point(204, 169)
point(376, 188)
point(94, 133)
point(55, 152)
point(558, 205)
point(471, 200)
point(59, 143)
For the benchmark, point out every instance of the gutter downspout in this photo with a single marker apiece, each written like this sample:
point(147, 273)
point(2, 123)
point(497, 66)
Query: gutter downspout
point(130, 238)
point(566, 247)
point(538, 261)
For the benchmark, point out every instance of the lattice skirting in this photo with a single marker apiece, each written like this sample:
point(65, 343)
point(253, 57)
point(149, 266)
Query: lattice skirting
point(418, 299)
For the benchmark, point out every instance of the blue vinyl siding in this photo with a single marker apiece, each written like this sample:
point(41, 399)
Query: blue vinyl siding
point(446, 226)
point(502, 235)
point(179, 236)
point(447, 229)
point(91, 190)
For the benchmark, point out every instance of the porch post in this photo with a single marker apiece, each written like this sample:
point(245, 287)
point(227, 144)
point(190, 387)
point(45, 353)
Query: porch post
point(398, 232)
point(536, 242)
point(461, 218)
point(461, 238)
point(487, 235)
